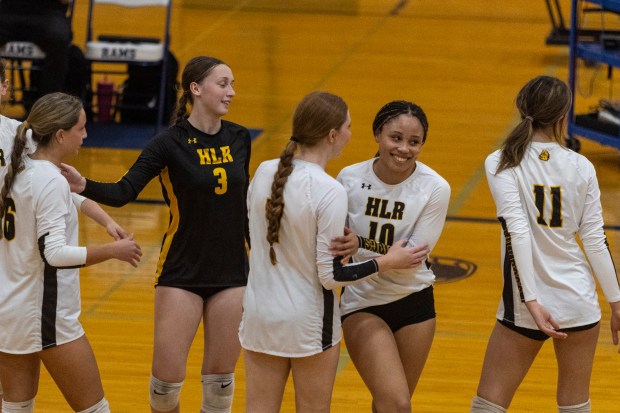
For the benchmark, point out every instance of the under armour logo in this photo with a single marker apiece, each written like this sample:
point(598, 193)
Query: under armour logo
point(190, 140)
point(224, 385)
point(366, 185)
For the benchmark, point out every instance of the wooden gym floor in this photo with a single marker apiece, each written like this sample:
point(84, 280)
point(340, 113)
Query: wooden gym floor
point(463, 62)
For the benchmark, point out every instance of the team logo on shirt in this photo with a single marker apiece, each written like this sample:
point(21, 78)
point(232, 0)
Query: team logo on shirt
point(380, 208)
point(191, 140)
point(211, 156)
point(544, 155)
point(366, 186)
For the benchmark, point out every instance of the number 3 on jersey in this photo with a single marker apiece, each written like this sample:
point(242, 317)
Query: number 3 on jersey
point(8, 220)
point(556, 205)
point(222, 181)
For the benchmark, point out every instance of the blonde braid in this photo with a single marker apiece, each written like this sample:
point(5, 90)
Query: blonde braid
point(274, 207)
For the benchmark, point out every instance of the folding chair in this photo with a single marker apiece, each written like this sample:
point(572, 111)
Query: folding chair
point(22, 57)
point(128, 50)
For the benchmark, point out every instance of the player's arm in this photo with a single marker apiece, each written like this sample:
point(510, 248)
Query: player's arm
point(515, 225)
point(429, 226)
point(149, 164)
point(94, 211)
point(51, 203)
point(399, 256)
point(596, 247)
point(51, 212)
point(332, 273)
point(346, 245)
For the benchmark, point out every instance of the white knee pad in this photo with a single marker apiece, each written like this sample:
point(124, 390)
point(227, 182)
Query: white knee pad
point(102, 407)
point(217, 393)
point(480, 405)
point(164, 396)
point(577, 408)
point(18, 407)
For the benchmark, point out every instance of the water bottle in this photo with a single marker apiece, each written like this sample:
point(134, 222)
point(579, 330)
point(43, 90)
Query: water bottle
point(105, 92)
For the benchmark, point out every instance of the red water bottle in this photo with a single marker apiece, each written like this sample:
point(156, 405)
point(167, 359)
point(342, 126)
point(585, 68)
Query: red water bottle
point(105, 92)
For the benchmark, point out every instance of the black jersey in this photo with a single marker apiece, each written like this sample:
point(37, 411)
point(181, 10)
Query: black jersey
point(204, 180)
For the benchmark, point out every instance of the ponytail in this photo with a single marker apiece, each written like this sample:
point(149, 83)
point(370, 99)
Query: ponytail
point(15, 167)
point(543, 102)
point(515, 144)
point(181, 113)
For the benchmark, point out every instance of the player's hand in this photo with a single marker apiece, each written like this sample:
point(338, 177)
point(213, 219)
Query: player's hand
point(77, 182)
point(127, 250)
point(544, 321)
point(116, 231)
point(399, 256)
point(344, 245)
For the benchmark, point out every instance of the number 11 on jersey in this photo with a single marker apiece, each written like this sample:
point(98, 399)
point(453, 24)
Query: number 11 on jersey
point(556, 205)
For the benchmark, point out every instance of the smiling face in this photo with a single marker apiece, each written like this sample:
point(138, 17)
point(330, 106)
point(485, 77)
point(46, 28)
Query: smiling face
point(400, 143)
point(215, 92)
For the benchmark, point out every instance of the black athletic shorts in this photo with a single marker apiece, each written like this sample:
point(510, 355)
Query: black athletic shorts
point(412, 309)
point(204, 292)
point(539, 335)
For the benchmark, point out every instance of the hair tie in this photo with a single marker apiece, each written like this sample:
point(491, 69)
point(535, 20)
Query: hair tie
point(26, 125)
point(294, 139)
point(531, 119)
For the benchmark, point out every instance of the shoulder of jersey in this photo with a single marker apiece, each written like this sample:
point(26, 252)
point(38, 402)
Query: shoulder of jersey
point(13, 122)
point(268, 165)
point(235, 127)
point(353, 169)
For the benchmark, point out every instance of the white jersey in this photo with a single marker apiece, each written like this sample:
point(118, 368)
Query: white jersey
point(289, 309)
point(542, 204)
point(39, 292)
point(414, 209)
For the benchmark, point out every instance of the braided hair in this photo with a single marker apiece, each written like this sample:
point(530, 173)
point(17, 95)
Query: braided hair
point(315, 116)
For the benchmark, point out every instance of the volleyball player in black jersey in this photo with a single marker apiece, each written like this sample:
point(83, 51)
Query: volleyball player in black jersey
point(203, 166)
